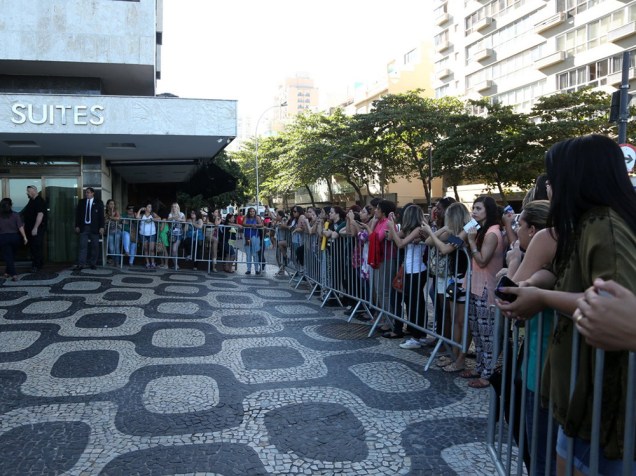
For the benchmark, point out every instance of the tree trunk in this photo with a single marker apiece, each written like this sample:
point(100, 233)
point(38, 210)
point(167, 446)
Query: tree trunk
point(311, 196)
point(501, 191)
point(456, 191)
point(329, 189)
point(356, 188)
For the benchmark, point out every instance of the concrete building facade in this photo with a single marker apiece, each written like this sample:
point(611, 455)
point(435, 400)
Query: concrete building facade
point(515, 51)
point(78, 108)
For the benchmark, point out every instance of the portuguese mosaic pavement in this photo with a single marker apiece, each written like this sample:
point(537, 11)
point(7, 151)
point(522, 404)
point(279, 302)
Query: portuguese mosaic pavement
point(119, 372)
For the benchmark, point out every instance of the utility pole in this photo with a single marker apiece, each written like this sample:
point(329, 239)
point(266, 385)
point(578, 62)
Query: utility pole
point(623, 116)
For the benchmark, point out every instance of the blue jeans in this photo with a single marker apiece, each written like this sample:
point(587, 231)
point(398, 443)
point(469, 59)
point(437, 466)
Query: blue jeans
point(114, 243)
point(582, 457)
point(542, 432)
point(251, 250)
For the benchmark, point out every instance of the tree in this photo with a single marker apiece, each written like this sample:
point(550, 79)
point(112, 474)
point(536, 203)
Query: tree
point(402, 128)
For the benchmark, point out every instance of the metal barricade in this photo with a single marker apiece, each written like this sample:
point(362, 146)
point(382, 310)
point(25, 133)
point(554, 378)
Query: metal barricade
point(435, 304)
point(521, 435)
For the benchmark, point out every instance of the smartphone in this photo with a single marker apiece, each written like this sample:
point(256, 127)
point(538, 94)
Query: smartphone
point(456, 241)
point(506, 282)
point(471, 224)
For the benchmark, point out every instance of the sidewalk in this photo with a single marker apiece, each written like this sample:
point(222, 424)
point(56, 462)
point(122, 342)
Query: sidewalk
point(134, 371)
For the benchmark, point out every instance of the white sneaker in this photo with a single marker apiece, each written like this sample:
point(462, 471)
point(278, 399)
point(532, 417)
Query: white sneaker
point(410, 344)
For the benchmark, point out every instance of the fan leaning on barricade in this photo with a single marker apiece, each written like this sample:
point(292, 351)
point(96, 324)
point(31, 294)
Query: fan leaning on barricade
point(449, 241)
point(533, 251)
point(359, 260)
point(414, 271)
point(148, 234)
point(593, 212)
point(251, 225)
point(382, 257)
point(129, 233)
point(177, 218)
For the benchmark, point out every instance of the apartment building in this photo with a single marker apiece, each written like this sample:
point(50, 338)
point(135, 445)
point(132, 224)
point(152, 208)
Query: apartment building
point(515, 51)
point(78, 108)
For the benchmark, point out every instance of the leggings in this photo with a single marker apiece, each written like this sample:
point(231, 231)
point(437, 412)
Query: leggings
point(482, 325)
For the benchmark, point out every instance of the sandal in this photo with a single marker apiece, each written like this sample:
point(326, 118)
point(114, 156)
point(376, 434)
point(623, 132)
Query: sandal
point(444, 361)
point(6, 276)
point(453, 367)
point(479, 383)
point(469, 373)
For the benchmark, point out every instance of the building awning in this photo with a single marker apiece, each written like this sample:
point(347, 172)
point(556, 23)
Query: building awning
point(144, 139)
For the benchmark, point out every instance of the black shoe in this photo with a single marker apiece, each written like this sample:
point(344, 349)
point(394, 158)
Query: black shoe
point(258, 272)
point(79, 267)
point(93, 266)
point(248, 272)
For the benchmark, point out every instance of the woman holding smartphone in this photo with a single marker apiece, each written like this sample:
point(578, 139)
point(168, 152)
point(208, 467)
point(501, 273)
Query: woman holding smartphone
point(487, 248)
point(593, 213)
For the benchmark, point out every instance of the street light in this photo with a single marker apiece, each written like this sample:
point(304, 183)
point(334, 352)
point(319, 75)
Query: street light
point(283, 104)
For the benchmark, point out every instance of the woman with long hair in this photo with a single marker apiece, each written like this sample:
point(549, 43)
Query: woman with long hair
point(251, 226)
point(112, 218)
point(177, 218)
point(10, 225)
point(455, 218)
point(593, 215)
point(487, 248)
point(414, 271)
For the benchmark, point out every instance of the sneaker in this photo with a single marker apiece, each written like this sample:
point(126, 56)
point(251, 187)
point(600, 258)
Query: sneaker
point(410, 344)
point(248, 272)
point(258, 272)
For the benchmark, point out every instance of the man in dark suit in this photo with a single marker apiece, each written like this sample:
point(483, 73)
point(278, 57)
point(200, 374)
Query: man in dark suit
point(89, 224)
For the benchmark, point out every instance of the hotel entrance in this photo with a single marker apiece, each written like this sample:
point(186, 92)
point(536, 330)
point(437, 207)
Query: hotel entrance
point(61, 195)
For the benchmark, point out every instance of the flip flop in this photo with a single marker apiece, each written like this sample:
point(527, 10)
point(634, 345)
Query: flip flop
point(479, 383)
point(469, 373)
point(453, 368)
point(443, 361)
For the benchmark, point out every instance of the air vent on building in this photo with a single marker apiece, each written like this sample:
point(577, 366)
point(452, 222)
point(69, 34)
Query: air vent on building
point(121, 145)
point(20, 143)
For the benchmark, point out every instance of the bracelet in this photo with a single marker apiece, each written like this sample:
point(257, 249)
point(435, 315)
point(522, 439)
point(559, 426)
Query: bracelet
point(472, 252)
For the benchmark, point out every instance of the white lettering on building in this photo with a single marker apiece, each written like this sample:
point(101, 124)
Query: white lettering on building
point(57, 114)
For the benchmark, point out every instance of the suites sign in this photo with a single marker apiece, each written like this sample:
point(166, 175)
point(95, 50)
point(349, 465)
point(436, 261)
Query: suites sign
point(57, 114)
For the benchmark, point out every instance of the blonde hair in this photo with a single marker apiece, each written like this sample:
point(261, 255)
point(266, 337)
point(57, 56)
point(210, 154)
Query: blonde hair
point(176, 205)
point(457, 215)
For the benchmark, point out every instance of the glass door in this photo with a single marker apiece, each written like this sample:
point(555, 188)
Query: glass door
point(62, 197)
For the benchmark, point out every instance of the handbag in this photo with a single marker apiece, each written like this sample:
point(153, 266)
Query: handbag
point(398, 280)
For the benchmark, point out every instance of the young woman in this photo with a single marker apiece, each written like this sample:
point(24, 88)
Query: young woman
point(281, 241)
point(455, 218)
point(113, 229)
point(593, 213)
point(414, 270)
point(227, 236)
point(251, 224)
point(10, 225)
point(487, 248)
point(148, 233)
point(177, 218)
point(194, 234)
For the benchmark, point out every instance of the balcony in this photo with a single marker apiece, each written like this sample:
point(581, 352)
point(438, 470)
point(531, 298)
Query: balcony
point(442, 46)
point(484, 54)
point(551, 22)
point(551, 59)
point(444, 73)
point(444, 18)
point(615, 79)
point(483, 23)
point(484, 85)
point(624, 31)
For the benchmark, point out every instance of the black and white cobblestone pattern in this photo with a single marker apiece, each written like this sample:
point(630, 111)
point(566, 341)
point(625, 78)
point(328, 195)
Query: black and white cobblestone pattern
point(160, 372)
